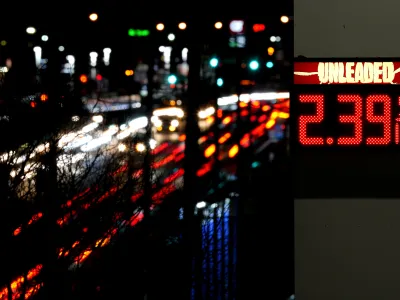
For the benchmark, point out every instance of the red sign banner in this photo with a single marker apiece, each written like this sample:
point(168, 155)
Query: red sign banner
point(347, 72)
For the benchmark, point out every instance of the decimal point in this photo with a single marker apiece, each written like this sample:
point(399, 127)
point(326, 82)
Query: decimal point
point(329, 141)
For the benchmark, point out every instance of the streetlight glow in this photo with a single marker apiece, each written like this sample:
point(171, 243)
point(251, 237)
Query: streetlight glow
point(160, 27)
point(45, 38)
point(218, 25)
point(93, 17)
point(182, 26)
point(31, 30)
point(284, 19)
point(171, 36)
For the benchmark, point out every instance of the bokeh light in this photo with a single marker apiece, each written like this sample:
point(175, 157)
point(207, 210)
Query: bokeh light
point(285, 19)
point(93, 17)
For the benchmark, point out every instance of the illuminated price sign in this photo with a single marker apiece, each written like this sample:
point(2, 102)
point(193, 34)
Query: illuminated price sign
point(346, 127)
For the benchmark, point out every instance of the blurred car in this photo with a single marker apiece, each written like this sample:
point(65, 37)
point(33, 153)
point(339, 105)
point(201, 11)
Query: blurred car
point(168, 119)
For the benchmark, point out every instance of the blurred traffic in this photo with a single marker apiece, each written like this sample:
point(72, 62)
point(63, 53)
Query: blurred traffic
point(268, 120)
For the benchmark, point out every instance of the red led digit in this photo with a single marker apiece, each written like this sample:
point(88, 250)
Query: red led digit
point(355, 118)
point(312, 119)
point(385, 119)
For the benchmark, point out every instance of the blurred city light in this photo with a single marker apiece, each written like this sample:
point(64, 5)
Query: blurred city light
point(93, 58)
point(3, 43)
point(38, 55)
point(129, 72)
point(218, 25)
point(97, 119)
point(161, 48)
point(171, 36)
point(277, 39)
point(284, 19)
point(44, 97)
point(237, 26)
point(83, 78)
point(93, 17)
point(185, 54)
point(214, 62)
point(61, 48)
point(160, 27)
point(254, 65)
point(138, 32)
point(273, 39)
point(172, 79)
point(45, 38)
point(99, 77)
point(182, 26)
point(270, 64)
point(220, 82)
point(106, 56)
point(258, 27)
point(31, 30)
point(271, 51)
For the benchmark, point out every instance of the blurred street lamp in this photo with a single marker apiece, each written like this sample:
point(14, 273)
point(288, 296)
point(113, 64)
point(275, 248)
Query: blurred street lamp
point(214, 62)
point(284, 19)
point(83, 79)
point(31, 30)
point(254, 65)
point(61, 48)
point(218, 25)
point(93, 17)
point(3, 43)
point(160, 27)
point(171, 36)
point(271, 51)
point(172, 79)
point(182, 26)
point(45, 38)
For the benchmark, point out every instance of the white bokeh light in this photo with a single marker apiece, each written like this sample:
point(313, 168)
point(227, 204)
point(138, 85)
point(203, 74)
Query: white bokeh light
point(31, 30)
point(236, 26)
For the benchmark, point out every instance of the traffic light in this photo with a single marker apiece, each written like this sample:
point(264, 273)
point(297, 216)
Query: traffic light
point(172, 79)
point(254, 65)
point(270, 64)
point(214, 62)
point(220, 82)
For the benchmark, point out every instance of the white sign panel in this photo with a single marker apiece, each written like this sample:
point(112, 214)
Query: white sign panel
point(346, 28)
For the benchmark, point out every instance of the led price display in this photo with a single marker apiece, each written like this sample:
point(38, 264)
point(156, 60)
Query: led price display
point(345, 127)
